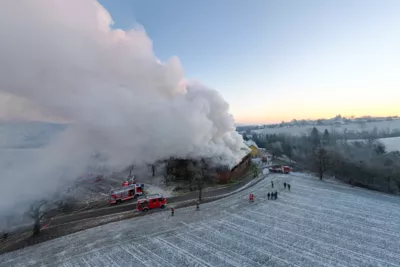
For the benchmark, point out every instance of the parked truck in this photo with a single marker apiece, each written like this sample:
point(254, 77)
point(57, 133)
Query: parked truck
point(124, 193)
point(280, 169)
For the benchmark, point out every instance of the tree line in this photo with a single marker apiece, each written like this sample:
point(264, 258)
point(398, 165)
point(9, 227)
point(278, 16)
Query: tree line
point(364, 163)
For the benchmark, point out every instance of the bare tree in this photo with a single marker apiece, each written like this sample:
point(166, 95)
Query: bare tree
point(371, 137)
point(200, 175)
point(37, 212)
point(275, 148)
point(130, 172)
point(322, 160)
point(167, 178)
point(288, 150)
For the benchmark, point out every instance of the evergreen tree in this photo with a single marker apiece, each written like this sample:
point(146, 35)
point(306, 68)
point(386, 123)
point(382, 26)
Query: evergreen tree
point(315, 137)
point(326, 139)
point(379, 148)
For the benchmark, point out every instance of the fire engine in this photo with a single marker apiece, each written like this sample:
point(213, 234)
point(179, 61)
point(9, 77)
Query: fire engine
point(280, 169)
point(153, 201)
point(131, 180)
point(125, 193)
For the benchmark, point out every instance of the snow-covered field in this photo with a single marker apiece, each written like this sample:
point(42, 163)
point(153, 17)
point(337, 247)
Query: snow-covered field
point(354, 127)
point(316, 224)
point(392, 144)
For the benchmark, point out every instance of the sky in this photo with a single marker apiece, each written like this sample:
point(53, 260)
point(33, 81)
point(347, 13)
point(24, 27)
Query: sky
point(276, 60)
point(279, 60)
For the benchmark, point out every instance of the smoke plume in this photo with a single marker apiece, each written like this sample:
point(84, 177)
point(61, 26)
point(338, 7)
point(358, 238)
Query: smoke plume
point(122, 102)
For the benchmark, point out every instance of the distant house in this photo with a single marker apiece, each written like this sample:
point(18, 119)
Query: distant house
point(253, 146)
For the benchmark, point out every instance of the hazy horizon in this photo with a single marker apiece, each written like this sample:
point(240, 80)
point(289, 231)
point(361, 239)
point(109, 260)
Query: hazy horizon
point(21, 120)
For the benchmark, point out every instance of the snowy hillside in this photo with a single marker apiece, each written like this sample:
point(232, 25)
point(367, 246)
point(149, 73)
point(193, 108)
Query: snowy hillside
point(392, 144)
point(354, 127)
point(317, 224)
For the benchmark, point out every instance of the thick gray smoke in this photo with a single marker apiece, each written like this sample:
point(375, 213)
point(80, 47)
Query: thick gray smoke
point(63, 57)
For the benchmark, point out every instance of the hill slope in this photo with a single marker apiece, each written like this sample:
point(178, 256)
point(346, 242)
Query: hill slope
point(316, 224)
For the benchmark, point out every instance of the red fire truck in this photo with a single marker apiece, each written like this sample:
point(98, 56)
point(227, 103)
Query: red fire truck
point(125, 193)
point(153, 201)
point(131, 180)
point(280, 169)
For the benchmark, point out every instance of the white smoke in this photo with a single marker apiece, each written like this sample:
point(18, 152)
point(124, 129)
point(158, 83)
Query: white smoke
point(63, 57)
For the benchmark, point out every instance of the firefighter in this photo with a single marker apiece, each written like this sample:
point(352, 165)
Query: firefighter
point(268, 195)
point(276, 195)
point(288, 186)
point(198, 206)
point(172, 211)
point(284, 185)
point(272, 184)
point(5, 235)
point(251, 197)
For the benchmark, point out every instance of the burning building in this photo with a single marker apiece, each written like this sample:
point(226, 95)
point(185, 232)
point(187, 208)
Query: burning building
point(225, 175)
point(179, 169)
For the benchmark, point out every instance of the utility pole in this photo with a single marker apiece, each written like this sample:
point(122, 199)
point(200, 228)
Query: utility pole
point(130, 172)
point(130, 177)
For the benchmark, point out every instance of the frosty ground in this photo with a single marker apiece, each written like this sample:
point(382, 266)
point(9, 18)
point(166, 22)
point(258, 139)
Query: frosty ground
point(391, 144)
point(316, 224)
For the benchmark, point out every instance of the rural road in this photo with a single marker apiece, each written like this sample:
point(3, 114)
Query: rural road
point(131, 205)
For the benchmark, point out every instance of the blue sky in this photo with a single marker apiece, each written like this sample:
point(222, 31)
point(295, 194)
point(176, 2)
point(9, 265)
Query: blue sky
point(278, 60)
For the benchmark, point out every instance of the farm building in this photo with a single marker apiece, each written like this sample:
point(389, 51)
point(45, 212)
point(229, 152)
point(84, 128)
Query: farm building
point(179, 169)
point(253, 146)
point(226, 175)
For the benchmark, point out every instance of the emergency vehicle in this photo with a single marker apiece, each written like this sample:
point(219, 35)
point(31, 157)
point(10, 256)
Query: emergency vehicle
point(125, 193)
point(153, 201)
point(131, 180)
point(280, 169)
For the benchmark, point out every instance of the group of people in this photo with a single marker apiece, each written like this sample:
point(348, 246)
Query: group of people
point(273, 195)
point(285, 184)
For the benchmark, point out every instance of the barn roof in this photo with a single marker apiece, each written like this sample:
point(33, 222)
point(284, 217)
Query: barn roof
point(251, 143)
